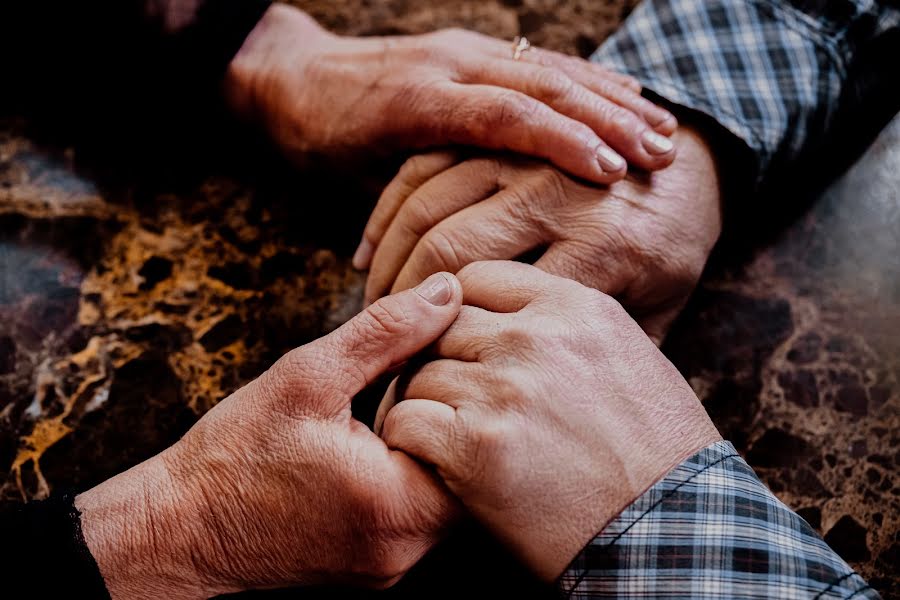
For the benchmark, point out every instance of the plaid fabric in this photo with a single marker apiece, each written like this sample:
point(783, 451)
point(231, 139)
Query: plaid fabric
point(710, 529)
point(773, 72)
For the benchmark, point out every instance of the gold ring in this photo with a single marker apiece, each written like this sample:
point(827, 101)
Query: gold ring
point(521, 45)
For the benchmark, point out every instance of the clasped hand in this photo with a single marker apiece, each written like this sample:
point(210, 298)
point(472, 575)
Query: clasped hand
point(541, 407)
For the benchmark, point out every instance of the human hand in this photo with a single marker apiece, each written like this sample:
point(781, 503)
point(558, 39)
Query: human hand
point(644, 242)
point(546, 411)
point(318, 93)
point(278, 485)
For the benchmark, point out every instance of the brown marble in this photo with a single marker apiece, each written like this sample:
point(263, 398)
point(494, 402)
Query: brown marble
point(129, 306)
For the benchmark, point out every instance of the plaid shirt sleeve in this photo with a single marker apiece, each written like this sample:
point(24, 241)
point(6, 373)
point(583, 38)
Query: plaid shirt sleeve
point(710, 529)
point(778, 74)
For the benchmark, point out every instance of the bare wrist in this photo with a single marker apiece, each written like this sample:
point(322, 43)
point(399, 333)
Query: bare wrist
point(645, 459)
point(250, 73)
point(143, 533)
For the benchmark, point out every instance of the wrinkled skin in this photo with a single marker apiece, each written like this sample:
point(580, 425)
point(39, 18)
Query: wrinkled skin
point(321, 94)
point(546, 410)
point(644, 240)
point(278, 485)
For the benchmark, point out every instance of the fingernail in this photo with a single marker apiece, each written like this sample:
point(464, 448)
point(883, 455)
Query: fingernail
point(609, 160)
point(655, 143)
point(436, 289)
point(363, 255)
point(657, 118)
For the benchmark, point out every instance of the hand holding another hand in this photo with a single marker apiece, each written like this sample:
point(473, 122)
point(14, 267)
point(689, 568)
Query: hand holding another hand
point(643, 241)
point(278, 485)
point(546, 410)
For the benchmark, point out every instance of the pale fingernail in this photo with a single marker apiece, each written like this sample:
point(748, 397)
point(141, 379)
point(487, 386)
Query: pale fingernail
point(436, 289)
point(609, 160)
point(657, 118)
point(363, 255)
point(655, 143)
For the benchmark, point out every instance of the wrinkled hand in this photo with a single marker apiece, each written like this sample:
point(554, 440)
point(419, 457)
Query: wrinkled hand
point(643, 241)
point(323, 94)
point(278, 484)
point(547, 411)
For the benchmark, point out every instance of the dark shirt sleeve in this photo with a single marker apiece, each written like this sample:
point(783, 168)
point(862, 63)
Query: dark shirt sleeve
point(711, 529)
point(791, 79)
point(97, 55)
point(43, 552)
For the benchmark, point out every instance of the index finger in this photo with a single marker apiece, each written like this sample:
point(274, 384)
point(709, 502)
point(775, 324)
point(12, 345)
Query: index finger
point(412, 175)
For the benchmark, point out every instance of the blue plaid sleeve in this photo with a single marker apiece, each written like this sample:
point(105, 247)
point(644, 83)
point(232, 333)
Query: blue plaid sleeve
point(775, 73)
point(710, 529)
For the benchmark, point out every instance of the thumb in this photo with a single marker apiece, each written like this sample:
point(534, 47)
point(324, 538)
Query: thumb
point(387, 333)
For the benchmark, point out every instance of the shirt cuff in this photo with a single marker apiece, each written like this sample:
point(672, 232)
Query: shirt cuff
point(710, 528)
point(768, 73)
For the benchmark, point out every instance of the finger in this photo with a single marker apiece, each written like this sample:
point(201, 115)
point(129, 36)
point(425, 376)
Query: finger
point(443, 195)
point(413, 174)
point(502, 49)
point(464, 341)
point(507, 286)
point(622, 128)
point(421, 428)
point(451, 382)
point(499, 228)
point(388, 401)
point(567, 259)
point(658, 118)
point(505, 119)
point(583, 69)
point(623, 89)
point(427, 501)
point(385, 334)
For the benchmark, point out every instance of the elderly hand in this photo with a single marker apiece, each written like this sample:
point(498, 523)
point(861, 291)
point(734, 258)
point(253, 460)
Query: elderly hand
point(643, 241)
point(278, 484)
point(317, 93)
point(546, 411)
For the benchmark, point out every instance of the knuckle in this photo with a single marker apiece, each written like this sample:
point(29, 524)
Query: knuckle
point(549, 185)
point(473, 272)
point(418, 213)
point(485, 169)
point(514, 385)
point(442, 251)
point(518, 338)
point(511, 109)
point(414, 167)
point(554, 85)
point(386, 317)
point(623, 119)
point(660, 249)
point(490, 447)
point(299, 378)
point(290, 369)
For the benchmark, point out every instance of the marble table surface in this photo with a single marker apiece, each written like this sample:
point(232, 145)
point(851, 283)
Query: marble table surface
point(131, 301)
